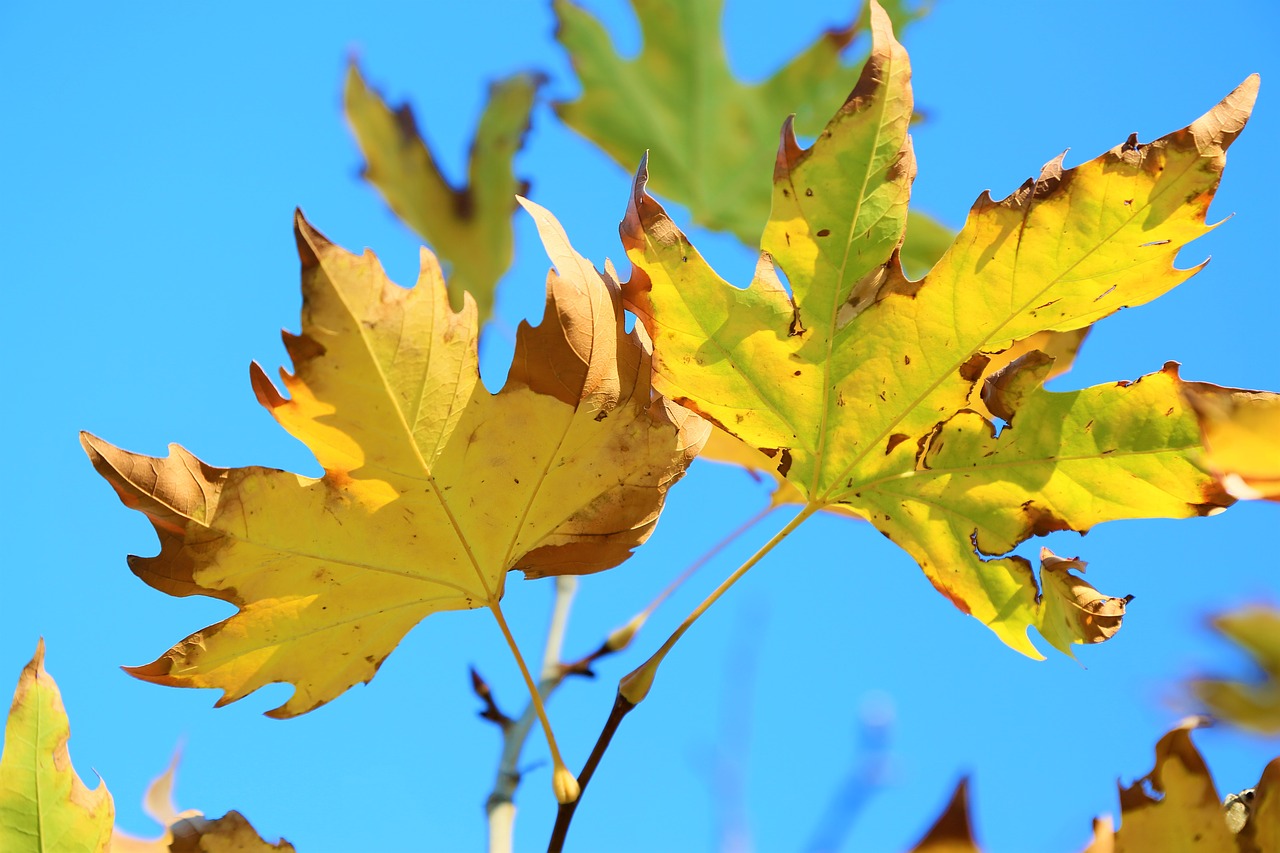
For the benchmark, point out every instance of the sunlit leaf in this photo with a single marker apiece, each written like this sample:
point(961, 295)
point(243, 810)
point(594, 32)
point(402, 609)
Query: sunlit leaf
point(433, 488)
point(1241, 438)
point(44, 807)
point(870, 392)
point(1176, 808)
point(1173, 809)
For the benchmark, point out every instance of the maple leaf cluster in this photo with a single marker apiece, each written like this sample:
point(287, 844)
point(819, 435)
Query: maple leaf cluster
point(918, 405)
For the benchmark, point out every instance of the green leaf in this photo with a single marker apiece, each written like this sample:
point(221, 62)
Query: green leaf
point(469, 227)
point(870, 392)
point(712, 134)
point(44, 807)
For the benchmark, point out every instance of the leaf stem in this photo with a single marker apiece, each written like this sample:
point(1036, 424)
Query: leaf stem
point(708, 556)
point(634, 687)
point(562, 781)
point(500, 805)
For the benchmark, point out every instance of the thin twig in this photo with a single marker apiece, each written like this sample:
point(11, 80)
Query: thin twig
point(621, 707)
point(491, 711)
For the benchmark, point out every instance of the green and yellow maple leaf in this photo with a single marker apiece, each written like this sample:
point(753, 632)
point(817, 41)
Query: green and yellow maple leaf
point(870, 392)
point(44, 807)
point(470, 227)
point(1255, 705)
point(433, 488)
point(714, 134)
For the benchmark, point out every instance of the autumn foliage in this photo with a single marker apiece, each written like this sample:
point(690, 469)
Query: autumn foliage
point(874, 366)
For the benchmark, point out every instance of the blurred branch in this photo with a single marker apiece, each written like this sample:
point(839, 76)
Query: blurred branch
point(863, 778)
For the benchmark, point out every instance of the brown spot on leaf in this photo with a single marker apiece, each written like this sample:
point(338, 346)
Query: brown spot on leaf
point(784, 462)
point(797, 325)
point(972, 369)
point(824, 232)
point(1041, 521)
point(894, 440)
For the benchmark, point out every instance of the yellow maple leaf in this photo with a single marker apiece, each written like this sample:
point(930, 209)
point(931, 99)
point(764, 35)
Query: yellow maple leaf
point(433, 488)
point(1241, 438)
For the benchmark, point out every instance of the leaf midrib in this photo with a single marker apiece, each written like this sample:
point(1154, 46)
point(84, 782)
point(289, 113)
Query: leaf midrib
point(836, 292)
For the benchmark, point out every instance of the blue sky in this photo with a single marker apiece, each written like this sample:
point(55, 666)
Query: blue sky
point(154, 155)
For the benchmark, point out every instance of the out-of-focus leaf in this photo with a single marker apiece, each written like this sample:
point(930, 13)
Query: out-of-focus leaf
point(469, 227)
point(713, 135)
point(1176, 809)
point(1173, 809)
point(159, 805)
point(863, 387)
point(1256, 705)
point(44, 807)
point(433, 488)
point(1241, 438)
point(230, 833)
point(1175, 803)
point(951, 832)
point(189, 830)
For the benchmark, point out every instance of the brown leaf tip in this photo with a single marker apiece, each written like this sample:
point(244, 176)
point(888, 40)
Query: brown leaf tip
point(1214, 131)
point(306, 237)
point(883, 48)
point(631, 229)
point(1051, 179)
point(952, 830)
point(37, 660)
point(790, 154)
